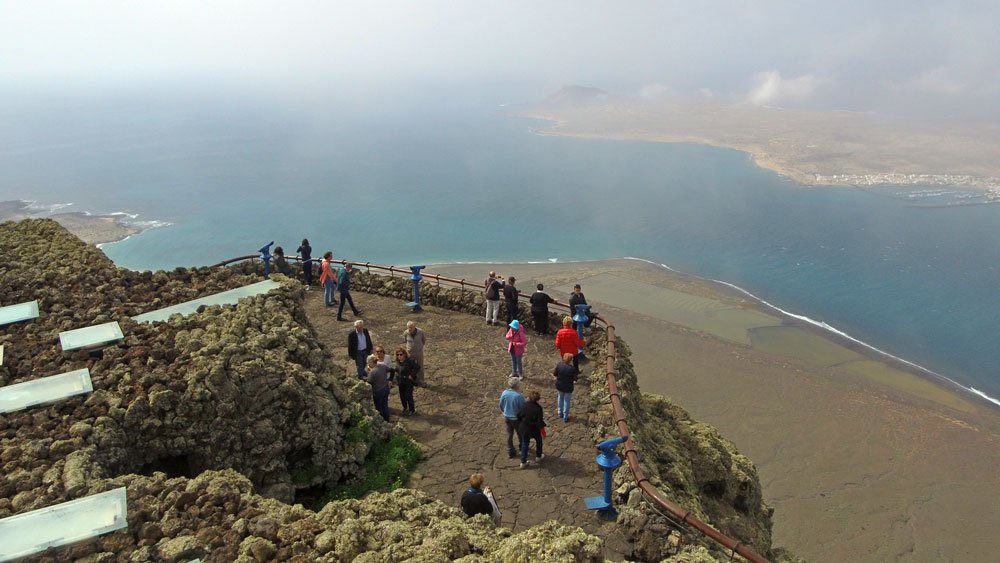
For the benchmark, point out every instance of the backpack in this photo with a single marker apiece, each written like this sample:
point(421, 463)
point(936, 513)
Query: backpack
point(492, 290)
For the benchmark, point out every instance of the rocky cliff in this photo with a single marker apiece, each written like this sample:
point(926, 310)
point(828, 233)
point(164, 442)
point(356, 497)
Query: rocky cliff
point(211, 421)
point(215, 420)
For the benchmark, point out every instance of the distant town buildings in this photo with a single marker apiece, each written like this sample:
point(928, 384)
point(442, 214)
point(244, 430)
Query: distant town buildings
point(990, 184)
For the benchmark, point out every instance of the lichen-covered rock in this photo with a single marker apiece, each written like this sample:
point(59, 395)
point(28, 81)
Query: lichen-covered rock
point(245, 387)
point(214, 517)
point(692, 554)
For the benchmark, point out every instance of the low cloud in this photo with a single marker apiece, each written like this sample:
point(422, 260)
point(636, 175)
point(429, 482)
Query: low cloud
point(770, 88)
point(654, 92)
point(937, 81)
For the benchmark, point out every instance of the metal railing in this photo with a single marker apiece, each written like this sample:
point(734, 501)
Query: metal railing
point(683, 516)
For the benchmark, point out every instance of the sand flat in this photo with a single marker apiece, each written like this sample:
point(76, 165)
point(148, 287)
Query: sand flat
point(862, 460)
point(807, 146)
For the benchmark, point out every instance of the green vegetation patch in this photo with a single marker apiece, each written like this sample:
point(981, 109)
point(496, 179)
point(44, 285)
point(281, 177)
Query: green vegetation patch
point(386, 468)
point(359, 429)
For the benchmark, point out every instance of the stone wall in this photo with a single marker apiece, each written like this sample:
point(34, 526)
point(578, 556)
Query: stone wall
point(469, 300)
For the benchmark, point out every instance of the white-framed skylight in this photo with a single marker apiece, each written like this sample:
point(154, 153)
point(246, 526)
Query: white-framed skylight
point(63, 524)
point(44, 390)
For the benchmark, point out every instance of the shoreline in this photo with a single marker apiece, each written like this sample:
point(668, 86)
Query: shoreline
point(861, 455)
point(822, 329)
point(93, 229)
point(856, 177)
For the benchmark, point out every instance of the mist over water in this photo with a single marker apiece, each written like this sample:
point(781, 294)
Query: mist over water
point(425, 176)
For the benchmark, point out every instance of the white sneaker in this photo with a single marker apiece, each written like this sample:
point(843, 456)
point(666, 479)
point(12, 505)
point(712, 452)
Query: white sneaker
point(540, 458)
point(523, 465)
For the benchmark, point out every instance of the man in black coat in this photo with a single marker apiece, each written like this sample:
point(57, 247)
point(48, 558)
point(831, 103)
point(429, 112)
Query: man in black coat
point(359, 346)
point(540, 310)
point(510, 294)
point(576, 298)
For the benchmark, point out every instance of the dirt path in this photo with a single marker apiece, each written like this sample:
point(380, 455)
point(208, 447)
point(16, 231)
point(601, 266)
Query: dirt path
point(458, 420)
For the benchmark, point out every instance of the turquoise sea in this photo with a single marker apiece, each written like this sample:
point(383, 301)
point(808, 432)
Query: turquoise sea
point(911, 271)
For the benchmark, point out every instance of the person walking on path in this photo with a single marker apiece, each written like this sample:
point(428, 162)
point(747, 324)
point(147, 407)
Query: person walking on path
point(378, 377)
point(304, 253)
point(510, 294)
point(359, 346)
point(478, 499)
point(328, 278)
point(415, 338)
point(517, 341)
point(531, 421)
point(491, 292)
point(565, 375)
point(407, 371)
point(576, 298)
point(540, 309)
point(569, 342)
point(344, 285)
point(511, 401)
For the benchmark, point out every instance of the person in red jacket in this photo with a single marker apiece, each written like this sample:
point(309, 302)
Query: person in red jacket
point(569, 342)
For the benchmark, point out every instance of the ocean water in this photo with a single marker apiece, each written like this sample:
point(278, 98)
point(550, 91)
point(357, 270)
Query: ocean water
point(910, 271)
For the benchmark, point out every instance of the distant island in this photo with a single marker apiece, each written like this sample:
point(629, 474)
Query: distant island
point(92, 229)
point(810, 147)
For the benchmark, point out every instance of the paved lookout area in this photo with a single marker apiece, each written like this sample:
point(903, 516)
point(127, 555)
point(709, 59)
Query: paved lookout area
point(458, 422)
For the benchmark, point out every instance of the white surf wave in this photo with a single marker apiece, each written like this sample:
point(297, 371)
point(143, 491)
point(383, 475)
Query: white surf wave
point(838, 332)
point(35, 207)
point(984, 395)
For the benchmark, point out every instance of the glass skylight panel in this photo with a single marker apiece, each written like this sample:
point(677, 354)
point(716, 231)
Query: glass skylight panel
point(19, 312)
point(45, 390)
point(91, 336)
point(62, 524)
point(230, 297)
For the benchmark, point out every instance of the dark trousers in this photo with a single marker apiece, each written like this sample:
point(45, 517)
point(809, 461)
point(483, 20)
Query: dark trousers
point(406, 396)
point(381, 399)
point(345, 297)
point(511, 311)
point(361, 360)
point(512, 427)
point(526, 443)
point(307, 272)
point(541, 322)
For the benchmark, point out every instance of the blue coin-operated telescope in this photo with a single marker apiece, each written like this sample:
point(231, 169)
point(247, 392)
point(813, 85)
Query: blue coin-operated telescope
point(265, 256)
point(608, 460)
point(580, 318)
point(415, 277)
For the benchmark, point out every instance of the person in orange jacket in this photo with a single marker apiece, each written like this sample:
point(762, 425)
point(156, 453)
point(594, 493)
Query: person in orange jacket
point(569, 342)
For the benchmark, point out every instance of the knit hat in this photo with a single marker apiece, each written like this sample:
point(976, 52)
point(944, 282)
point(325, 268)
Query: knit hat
point(515, 325)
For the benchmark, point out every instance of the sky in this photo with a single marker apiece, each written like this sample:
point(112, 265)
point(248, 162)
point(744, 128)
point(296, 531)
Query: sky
point(887, 55)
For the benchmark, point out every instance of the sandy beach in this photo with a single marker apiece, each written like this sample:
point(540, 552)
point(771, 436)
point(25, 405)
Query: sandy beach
point(92, 229)
point(863, 458)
